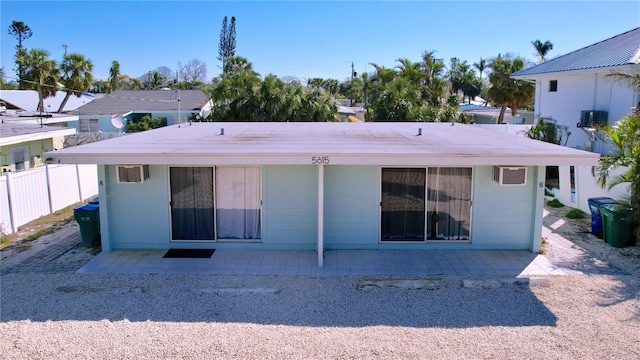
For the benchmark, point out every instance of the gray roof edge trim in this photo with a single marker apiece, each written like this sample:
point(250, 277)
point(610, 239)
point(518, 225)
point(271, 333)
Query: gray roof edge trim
point(589, 70)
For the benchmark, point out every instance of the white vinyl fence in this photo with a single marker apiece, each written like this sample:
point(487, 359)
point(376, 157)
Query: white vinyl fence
point(28, 195)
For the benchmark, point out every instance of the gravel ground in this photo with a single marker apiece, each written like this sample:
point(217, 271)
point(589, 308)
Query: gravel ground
point(71, 316)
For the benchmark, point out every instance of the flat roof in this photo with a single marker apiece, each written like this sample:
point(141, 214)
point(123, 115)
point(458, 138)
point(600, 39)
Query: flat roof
point(15, 133)
point(391, 143)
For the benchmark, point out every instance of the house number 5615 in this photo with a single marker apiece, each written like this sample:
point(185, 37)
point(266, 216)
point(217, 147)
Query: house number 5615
point(320, 160)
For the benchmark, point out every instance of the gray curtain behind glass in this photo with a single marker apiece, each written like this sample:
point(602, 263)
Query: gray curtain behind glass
point(192, 203)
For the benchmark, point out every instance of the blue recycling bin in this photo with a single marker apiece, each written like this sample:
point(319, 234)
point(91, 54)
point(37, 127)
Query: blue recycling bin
point(596, 218)
point(88, 218)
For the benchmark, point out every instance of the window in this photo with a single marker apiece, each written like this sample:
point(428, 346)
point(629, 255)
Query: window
point(19, 159)
point(89, 125)
point(222, 203)
point(553, 85)
point(419, 202)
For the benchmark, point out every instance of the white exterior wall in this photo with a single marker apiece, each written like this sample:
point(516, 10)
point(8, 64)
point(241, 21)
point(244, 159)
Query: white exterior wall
point(577, 92)
point(586, 187)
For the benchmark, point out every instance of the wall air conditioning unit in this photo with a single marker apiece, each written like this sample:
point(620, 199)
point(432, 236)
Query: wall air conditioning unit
point(592, 118)
point(132, 173)
point(510, 175)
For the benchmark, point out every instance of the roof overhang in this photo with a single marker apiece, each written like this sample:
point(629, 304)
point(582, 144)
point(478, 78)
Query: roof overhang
point(386, 144)
point(17, 139)
point(630, 68)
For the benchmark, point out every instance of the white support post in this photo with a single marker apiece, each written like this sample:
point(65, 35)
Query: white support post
point(79, 183)
point(12, 214)
point(46, 171)
point(321, 215)
point(538, 208)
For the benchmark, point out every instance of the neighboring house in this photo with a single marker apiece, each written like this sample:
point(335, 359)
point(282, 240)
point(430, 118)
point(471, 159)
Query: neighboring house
point(317, 186)
point(133, 105)
point(574, 90)
point(351, 113)
point(489, 115)
point(22, 144)
point(26, 101)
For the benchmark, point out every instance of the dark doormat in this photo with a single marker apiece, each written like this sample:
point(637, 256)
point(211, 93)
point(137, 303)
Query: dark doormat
point(189, 253)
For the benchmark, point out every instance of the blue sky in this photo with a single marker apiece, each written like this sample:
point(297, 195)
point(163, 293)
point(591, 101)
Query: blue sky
point(307, 39)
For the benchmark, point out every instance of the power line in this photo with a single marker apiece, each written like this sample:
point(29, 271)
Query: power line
point(65, 89)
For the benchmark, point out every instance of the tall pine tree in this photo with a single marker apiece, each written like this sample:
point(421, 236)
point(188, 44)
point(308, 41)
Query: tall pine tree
point(227, 44)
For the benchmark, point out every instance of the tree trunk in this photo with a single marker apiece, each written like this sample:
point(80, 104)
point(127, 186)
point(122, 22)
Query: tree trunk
point(503, 109)
point(40, 100)
point(64, 102)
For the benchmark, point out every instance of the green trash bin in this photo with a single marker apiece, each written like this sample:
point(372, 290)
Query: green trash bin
point(616, 219)
point(88, 218)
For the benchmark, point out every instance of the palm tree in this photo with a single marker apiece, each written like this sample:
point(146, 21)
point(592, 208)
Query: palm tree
point(40, 73)
point(542, 48)
point(114, 76)
point(625, 136)
point(237, 64)
point(382, 76)
point(506, 91)
point(410, 70)
point(77, 78)
point(481, 66)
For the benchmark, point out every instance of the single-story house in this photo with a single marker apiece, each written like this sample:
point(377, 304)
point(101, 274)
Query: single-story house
point(23, 142)
point(320, 186)
point(174, 106)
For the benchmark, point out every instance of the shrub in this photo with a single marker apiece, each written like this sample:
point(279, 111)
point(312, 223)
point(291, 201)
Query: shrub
point(555, 203)
point(575, 214)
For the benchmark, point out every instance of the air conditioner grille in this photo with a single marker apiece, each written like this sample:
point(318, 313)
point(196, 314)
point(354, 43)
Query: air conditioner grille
point(510, 175)
point(132, 173)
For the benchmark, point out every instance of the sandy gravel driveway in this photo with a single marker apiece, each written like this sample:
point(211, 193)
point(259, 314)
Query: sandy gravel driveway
point(75, 316)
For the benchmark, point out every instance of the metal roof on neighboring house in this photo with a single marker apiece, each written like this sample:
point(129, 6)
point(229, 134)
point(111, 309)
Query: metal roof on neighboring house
point(622, 49)
point(343, 143)
point(27, 100)
point(125, 101)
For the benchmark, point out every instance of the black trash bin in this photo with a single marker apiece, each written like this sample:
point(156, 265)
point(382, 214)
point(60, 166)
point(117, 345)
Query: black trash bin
point(88, 218)
point(596, 219)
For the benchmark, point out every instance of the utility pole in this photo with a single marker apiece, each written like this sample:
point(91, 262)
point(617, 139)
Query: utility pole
point(65, 46)
point(353, 73)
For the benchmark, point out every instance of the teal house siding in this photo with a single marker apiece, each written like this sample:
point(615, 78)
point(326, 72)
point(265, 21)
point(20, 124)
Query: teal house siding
point(290, 206)
point(138, 213)
point(502, 215)
point(351, 206)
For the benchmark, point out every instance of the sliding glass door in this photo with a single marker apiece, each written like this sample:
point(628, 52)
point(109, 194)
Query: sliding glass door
point(418, 201)
point(449, 203)
point(191, 203)
point(238, 203)
point(234, 195)
point(403, 204)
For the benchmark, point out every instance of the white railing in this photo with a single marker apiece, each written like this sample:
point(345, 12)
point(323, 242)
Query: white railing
point(28, 195)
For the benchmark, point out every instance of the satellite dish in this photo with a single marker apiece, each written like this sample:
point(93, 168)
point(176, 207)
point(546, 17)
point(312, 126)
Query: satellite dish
point(118, 122)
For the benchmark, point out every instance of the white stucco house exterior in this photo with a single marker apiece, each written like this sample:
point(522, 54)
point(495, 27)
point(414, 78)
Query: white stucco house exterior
point(574, 90)
point(317, 186)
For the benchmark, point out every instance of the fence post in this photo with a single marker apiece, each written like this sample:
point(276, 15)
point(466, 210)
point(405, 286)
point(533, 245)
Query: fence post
point(11, 214)
point(46, 170)
point(79, 184)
